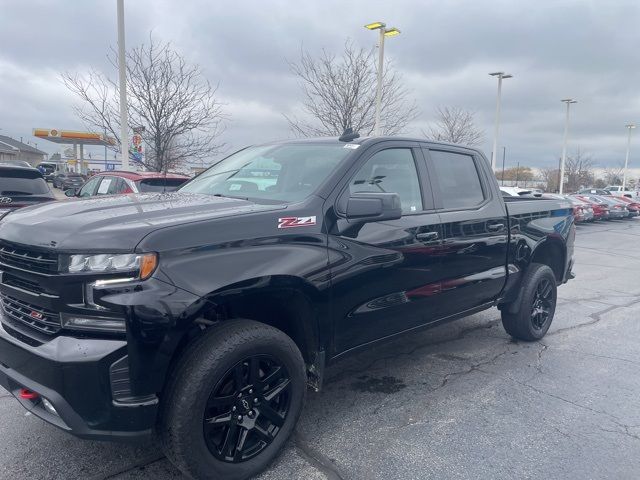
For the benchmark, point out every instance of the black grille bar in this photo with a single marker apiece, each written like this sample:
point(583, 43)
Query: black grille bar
point(40, 319)
point(30, 260)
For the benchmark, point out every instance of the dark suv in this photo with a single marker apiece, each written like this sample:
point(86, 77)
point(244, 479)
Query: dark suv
point(21, 187)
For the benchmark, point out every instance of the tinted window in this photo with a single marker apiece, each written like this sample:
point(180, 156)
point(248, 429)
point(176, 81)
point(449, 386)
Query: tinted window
point(391, 171)
point(458, 178)
point(22, 182)
point(281, 173)
point(160, 184)
point(89, 188)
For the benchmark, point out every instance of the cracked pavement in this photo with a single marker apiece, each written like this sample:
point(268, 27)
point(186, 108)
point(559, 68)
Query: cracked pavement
point(459, 401)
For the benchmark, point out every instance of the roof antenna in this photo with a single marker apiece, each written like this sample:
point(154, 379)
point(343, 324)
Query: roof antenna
point(348, 135)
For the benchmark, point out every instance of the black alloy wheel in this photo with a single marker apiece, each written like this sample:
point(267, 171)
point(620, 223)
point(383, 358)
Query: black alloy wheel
point(543, 303)
point(247, 408)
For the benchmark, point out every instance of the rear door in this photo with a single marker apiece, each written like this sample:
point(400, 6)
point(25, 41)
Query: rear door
point(474, 229)
point(385, 275)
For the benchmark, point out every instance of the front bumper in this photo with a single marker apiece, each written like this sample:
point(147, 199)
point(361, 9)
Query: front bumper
point(73, 374)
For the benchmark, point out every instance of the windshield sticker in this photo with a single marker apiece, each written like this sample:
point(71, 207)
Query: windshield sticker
point(291, 222)
point(352, 146)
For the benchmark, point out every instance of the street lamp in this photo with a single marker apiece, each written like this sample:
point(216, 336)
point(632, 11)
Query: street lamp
point(384, 32)
point(494, 153)
point(568, 101)
point(630, 127)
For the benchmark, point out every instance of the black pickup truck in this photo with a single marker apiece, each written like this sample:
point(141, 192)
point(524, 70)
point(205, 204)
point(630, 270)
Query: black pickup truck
point(203, 315)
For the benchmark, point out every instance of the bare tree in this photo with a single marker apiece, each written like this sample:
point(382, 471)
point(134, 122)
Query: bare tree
point(171, 99)
point(455, 125)
point(613, 175)
point(550, 177)
point(340, 92)
point(578, 171)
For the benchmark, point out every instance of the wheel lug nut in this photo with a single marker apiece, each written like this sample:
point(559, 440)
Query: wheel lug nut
point(250, 390)
point(233, 409)
point(239, 418)
point(255, 400)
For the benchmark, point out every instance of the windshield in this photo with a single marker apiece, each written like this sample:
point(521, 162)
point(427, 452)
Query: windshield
point(160, 184)
point(284, 173)
point(27, 182)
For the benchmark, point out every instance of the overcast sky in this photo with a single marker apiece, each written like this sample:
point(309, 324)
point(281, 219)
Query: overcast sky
point(555, 49)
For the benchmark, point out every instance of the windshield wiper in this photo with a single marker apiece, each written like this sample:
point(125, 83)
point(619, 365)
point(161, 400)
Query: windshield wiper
point(15, 192)
point(230, 196)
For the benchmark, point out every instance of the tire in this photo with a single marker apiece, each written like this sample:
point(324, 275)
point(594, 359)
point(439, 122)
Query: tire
point(198, 422)
point(533, 317)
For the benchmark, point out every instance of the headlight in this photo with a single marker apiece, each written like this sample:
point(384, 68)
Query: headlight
point(142, 265)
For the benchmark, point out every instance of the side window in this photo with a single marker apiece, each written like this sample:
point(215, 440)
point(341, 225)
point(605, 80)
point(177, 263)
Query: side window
point(105, 185)
point(458, 178)
point(89, 188)
point(391, 171)
point(115, 187)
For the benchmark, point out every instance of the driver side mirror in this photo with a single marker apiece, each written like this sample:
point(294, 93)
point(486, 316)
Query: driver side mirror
point(373, 207)
point(70, 192)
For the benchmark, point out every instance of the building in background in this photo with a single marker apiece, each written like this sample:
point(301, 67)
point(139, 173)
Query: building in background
point(11, 149)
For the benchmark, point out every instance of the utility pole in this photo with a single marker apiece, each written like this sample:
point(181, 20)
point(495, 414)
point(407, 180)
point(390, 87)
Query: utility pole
point(504, 154)
point(122, 70)
point(630, 127)
point(494, 153)
point(563, 160)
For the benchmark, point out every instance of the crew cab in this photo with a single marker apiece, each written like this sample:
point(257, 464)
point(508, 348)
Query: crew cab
point(203, 315)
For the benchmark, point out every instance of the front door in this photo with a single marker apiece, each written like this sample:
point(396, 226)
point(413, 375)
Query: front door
point(385, 274)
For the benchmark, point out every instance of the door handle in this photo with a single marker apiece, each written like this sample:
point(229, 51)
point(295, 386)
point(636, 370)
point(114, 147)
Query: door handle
point(427, 236)
point(494, 227)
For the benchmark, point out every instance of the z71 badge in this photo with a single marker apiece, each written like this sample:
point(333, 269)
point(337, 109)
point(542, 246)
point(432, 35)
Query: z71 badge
point(291, 222)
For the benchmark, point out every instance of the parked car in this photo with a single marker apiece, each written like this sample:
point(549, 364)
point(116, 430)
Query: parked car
point(50, 169)
point(619, 191)
point(66, 180)
point(600, 210)
point(21, 187)
point(15, 163)
point(616, 209)
point(632, 204)
point(115, 182)
point(204, 314)
point(582, 211)
point(518, 192)
point(632, 208)
point(593, 191)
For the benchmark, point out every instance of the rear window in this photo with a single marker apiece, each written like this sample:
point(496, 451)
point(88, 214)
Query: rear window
point(160, 184)
point(459, 179)
point(22, 182)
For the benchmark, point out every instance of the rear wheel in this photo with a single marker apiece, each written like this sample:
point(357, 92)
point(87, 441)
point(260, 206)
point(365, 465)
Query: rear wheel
point(233, 401)
point(532, 318)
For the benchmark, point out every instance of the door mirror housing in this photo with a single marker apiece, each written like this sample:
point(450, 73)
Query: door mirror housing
point(70, 192)
point(372, 207)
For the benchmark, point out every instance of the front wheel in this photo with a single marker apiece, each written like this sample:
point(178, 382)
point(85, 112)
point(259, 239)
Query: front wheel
point(233, 401)
point(533, 316)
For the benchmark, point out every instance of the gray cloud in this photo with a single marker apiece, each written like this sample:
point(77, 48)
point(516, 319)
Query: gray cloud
point(584, 49)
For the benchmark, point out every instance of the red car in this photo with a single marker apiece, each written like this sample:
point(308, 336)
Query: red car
point(600, 211)
point(117, 182)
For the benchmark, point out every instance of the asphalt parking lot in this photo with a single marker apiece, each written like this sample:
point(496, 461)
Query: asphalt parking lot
point(459, 401)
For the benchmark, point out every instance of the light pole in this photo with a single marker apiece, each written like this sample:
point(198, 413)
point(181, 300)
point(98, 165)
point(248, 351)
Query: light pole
point(563, 159)
point(630, 127)
point(124, 129)
point(501, 76)
point(384, 32)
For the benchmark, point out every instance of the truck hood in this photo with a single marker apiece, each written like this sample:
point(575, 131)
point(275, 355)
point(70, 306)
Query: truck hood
point(115, 223)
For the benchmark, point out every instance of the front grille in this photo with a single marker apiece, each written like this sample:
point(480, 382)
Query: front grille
point(21, 283)
point(30, 260)
point(24, 313)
